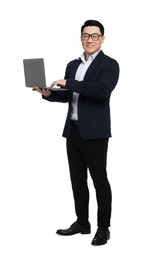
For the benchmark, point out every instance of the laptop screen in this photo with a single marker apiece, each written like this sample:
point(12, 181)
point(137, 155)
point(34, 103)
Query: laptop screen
point(34, 72)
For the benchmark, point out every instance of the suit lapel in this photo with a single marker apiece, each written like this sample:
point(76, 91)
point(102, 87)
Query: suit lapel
point(75, 67)
point(94, 64)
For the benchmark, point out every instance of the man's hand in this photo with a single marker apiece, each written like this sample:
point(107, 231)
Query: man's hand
point(42, 91)
point(59, 83)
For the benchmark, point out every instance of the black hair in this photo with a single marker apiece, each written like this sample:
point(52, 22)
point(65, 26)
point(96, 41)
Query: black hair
point(93, 23)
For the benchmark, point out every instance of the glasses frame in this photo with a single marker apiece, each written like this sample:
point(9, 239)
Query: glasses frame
point(90, 35)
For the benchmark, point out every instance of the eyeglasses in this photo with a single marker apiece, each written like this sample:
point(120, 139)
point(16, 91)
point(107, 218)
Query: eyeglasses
point(94, 36)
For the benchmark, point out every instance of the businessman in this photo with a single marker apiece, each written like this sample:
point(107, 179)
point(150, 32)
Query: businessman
point(89, 80)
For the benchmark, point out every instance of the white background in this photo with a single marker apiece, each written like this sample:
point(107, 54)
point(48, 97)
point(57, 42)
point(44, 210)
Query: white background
point(35, 192)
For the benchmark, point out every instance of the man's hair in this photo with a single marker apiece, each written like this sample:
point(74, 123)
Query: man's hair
point(93, 23)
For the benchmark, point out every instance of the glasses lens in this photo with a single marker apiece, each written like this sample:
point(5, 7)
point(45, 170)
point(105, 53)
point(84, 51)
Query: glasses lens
point(85, 36)
point(95, 37)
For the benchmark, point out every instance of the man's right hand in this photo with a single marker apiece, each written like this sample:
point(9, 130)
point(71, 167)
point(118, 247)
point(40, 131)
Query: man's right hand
point(42, 91)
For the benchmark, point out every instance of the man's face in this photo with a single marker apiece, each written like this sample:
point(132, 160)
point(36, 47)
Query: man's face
point(93, 43)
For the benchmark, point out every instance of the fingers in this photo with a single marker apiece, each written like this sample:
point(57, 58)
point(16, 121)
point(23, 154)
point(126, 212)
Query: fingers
point(35, 88)
point(59, 83)
point(42, 91)
point(53, 83)
point(38, 89)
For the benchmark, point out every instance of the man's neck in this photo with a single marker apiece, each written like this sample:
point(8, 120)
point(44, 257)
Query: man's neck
point(87, 55)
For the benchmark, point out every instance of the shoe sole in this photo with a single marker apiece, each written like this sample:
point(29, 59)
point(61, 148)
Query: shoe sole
point(85, 232)
point(71, 234)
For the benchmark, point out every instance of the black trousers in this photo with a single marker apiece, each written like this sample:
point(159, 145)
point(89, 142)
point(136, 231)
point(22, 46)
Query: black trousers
point(92, 155)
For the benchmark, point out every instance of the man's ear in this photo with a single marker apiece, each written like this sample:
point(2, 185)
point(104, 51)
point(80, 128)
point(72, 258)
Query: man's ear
point(103, 38)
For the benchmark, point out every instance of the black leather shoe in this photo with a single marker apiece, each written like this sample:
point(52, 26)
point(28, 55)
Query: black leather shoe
point(74, 229)
point(101, 237)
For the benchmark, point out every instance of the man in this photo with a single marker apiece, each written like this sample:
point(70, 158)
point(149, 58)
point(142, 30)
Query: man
point(89, 80)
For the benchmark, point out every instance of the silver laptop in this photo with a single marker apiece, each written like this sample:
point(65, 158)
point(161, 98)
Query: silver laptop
point(34, 71)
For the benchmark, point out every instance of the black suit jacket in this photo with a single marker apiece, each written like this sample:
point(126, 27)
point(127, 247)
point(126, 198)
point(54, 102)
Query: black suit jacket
point(93, 103)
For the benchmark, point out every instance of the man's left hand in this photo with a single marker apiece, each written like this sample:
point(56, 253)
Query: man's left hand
point(59, 83)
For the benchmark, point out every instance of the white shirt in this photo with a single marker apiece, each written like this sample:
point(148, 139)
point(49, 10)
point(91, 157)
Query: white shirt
point(80, 73)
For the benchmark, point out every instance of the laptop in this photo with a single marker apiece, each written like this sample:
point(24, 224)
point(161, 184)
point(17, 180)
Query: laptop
point(34, 71)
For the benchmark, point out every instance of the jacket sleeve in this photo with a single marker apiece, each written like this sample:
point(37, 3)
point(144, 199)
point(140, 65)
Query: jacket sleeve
point(58, 96)
point(99, 84)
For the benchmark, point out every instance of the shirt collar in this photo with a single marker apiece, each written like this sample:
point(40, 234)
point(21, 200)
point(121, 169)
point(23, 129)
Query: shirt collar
point(92, 57)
